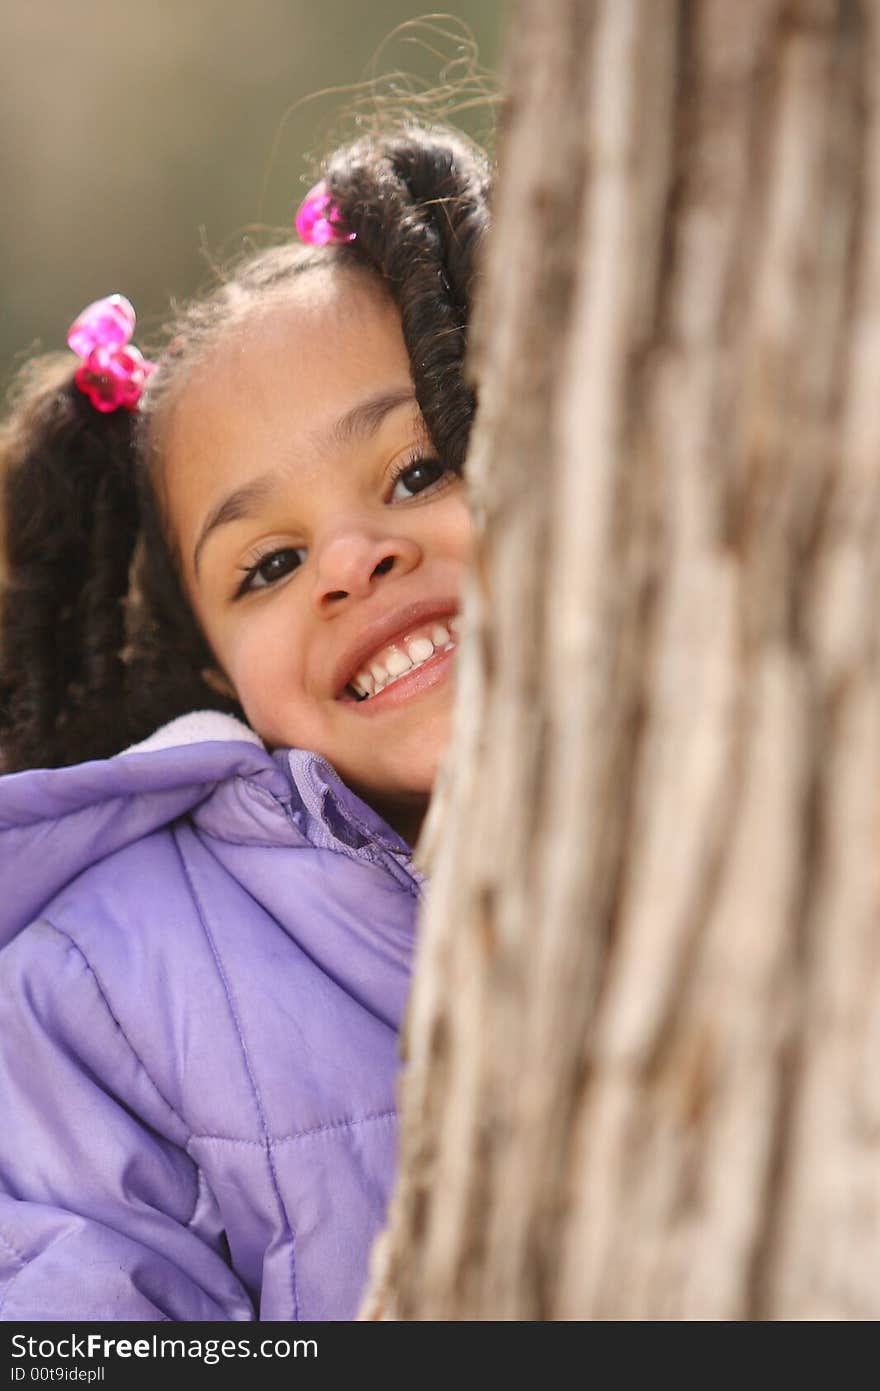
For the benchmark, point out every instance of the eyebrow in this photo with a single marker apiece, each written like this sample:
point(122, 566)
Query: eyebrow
point(364, 419)
point(359, 423)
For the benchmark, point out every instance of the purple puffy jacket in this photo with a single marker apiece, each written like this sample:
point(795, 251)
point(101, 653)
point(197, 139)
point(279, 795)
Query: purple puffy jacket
point(205, 957)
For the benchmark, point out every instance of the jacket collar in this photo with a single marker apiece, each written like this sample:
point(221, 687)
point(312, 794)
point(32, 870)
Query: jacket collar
point(197, 727)
point(323, 808)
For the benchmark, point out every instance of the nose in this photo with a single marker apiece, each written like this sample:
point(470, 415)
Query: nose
point(353, 560)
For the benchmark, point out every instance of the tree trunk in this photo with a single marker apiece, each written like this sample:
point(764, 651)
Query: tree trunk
point(641, 1073)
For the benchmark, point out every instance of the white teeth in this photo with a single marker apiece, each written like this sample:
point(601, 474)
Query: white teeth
point(397, 662)
point(420, 649)
point(364, 684)
point(455, 624)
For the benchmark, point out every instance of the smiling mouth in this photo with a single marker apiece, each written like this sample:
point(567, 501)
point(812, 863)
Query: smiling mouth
point(401, 658)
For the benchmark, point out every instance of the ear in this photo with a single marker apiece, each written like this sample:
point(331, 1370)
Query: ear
point(218, 682)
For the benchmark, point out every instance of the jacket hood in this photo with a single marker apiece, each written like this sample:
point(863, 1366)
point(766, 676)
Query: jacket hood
point(57, 822)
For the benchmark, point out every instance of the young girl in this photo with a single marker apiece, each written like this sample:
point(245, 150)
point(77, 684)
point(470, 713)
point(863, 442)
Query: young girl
point(227, 649)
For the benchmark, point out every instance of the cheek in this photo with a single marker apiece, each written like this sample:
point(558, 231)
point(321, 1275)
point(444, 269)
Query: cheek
point(459, 531)
point(266, 669)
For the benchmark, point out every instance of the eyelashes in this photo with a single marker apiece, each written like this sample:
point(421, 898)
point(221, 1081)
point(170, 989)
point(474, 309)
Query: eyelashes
point(421, 473)
point(417, 463)
point(269, 569)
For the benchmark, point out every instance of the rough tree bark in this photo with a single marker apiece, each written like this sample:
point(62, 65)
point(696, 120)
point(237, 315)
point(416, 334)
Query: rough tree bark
point(641, 1057)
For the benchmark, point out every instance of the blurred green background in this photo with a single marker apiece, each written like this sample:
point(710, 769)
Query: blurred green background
point(141, 141)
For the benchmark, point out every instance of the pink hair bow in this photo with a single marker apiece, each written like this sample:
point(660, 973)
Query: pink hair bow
point(113, 373)
point(318, 220)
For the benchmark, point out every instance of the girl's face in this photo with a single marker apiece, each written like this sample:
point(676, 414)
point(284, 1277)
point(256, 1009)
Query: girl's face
point(322, 544)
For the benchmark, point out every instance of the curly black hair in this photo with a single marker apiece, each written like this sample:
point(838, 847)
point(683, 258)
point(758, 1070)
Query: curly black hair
point(98, 645)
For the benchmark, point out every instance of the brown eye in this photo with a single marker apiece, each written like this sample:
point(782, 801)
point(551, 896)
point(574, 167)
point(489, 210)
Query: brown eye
point(417, 477)
point(271, 568)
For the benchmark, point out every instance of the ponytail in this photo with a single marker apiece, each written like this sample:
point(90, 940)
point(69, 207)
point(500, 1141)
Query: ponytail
point(417, 202)
point(69, 519)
